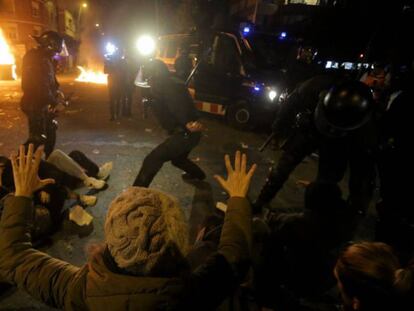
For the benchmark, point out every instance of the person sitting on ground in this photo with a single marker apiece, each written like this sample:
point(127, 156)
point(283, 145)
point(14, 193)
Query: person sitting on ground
point(142, 263)
point(369, 277)
point(298, 250)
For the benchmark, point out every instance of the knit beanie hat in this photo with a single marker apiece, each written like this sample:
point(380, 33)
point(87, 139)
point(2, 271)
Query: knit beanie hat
point(146, 232)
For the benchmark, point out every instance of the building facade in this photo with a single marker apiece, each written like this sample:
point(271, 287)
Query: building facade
point(22, 19)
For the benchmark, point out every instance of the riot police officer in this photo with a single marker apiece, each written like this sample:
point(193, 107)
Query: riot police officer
point(183, 64)
point(333, 117)
point(396, 215)
point(174, 109)
point(113, 68)
point(41, 90)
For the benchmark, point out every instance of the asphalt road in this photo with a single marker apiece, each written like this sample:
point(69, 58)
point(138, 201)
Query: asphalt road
point(85, 126)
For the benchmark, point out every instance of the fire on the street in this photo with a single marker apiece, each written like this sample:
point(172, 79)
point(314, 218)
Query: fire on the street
point(7, 60)
point(91, 76)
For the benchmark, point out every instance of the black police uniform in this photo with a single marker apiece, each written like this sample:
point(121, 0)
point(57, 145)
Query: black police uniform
point(183, 66)
point(113, 68)
point(336, 154)
point(396, 215)
point(129, 71)
point(174, 108)
point(40, 88)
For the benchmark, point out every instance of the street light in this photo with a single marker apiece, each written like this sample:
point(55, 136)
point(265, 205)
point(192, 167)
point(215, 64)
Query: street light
point(84, 5)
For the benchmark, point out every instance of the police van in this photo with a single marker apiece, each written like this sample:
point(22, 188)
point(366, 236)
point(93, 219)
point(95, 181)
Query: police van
point(240, 78)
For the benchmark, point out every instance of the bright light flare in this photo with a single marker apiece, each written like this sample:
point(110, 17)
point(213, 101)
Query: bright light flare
point(110, 49)
point(272, 95)
point(146, 45)
point(91, 76)
point(6, 56)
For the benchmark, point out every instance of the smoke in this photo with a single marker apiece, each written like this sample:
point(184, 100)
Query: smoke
point(91, 38)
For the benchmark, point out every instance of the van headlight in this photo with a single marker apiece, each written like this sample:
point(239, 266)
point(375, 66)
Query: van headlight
point(272, 94)
point(146, 45)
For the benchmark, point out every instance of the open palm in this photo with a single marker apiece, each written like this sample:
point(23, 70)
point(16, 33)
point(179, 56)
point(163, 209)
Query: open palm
point(25, 171)
point(238, 179)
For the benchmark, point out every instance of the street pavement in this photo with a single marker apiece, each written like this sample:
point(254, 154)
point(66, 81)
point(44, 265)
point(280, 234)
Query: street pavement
point(85, 126)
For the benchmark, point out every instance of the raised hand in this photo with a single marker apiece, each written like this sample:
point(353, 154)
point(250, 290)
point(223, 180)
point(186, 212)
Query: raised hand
point(238, 181)
point(25, 171)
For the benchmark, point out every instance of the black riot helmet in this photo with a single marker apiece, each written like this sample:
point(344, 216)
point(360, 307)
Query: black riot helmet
point(345, 107)
point(50, 41)
point(153, 70)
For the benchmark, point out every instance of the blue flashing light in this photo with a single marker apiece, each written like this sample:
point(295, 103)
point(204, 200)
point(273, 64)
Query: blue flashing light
point(246, 30)
point(283, 35)
point(257, 88)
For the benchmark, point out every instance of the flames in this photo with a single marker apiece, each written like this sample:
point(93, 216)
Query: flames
point(91, 76)
point(6, 56)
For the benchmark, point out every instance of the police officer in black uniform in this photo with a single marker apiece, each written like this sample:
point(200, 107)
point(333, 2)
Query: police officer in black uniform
point(113, 68)
point(41, 90)
point(183, 64)
point(396, 215)
point(333, 116)
point(174, 109)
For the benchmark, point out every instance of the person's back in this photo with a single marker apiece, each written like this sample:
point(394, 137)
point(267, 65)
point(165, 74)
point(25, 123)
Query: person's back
point(303, 99)
point(183, 65)
point(334, 120)
point(39, 84)
point(396, 217)
point(173, 104)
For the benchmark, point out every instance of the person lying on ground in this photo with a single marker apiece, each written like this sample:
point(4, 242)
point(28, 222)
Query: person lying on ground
point(78, 165)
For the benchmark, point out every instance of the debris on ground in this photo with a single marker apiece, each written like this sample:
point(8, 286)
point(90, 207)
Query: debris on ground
point(79, 216)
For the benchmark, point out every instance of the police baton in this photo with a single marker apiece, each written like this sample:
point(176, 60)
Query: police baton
point(203, 58)
point(267, 142)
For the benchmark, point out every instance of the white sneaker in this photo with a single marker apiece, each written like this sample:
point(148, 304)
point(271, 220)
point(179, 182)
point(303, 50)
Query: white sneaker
point(94, 183)
point(88, 200)
point(105, 170)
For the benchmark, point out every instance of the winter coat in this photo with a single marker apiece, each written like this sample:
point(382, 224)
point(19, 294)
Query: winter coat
point(96, 286)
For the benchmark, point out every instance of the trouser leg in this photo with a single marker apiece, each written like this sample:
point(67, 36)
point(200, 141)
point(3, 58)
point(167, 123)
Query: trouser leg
point(50, 128)
point(112, 108)
point(150, 167)
point(189, 167)
point(183, 162)
point(175, 148)
point(66, 164)
point(42, 131)
point(91, 168)
point(295, 150)
point(36, 126)
point(48, 170)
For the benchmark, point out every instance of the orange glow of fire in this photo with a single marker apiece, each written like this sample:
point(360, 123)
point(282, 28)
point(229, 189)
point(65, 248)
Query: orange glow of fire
point(6, 56)
point(91, 76)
